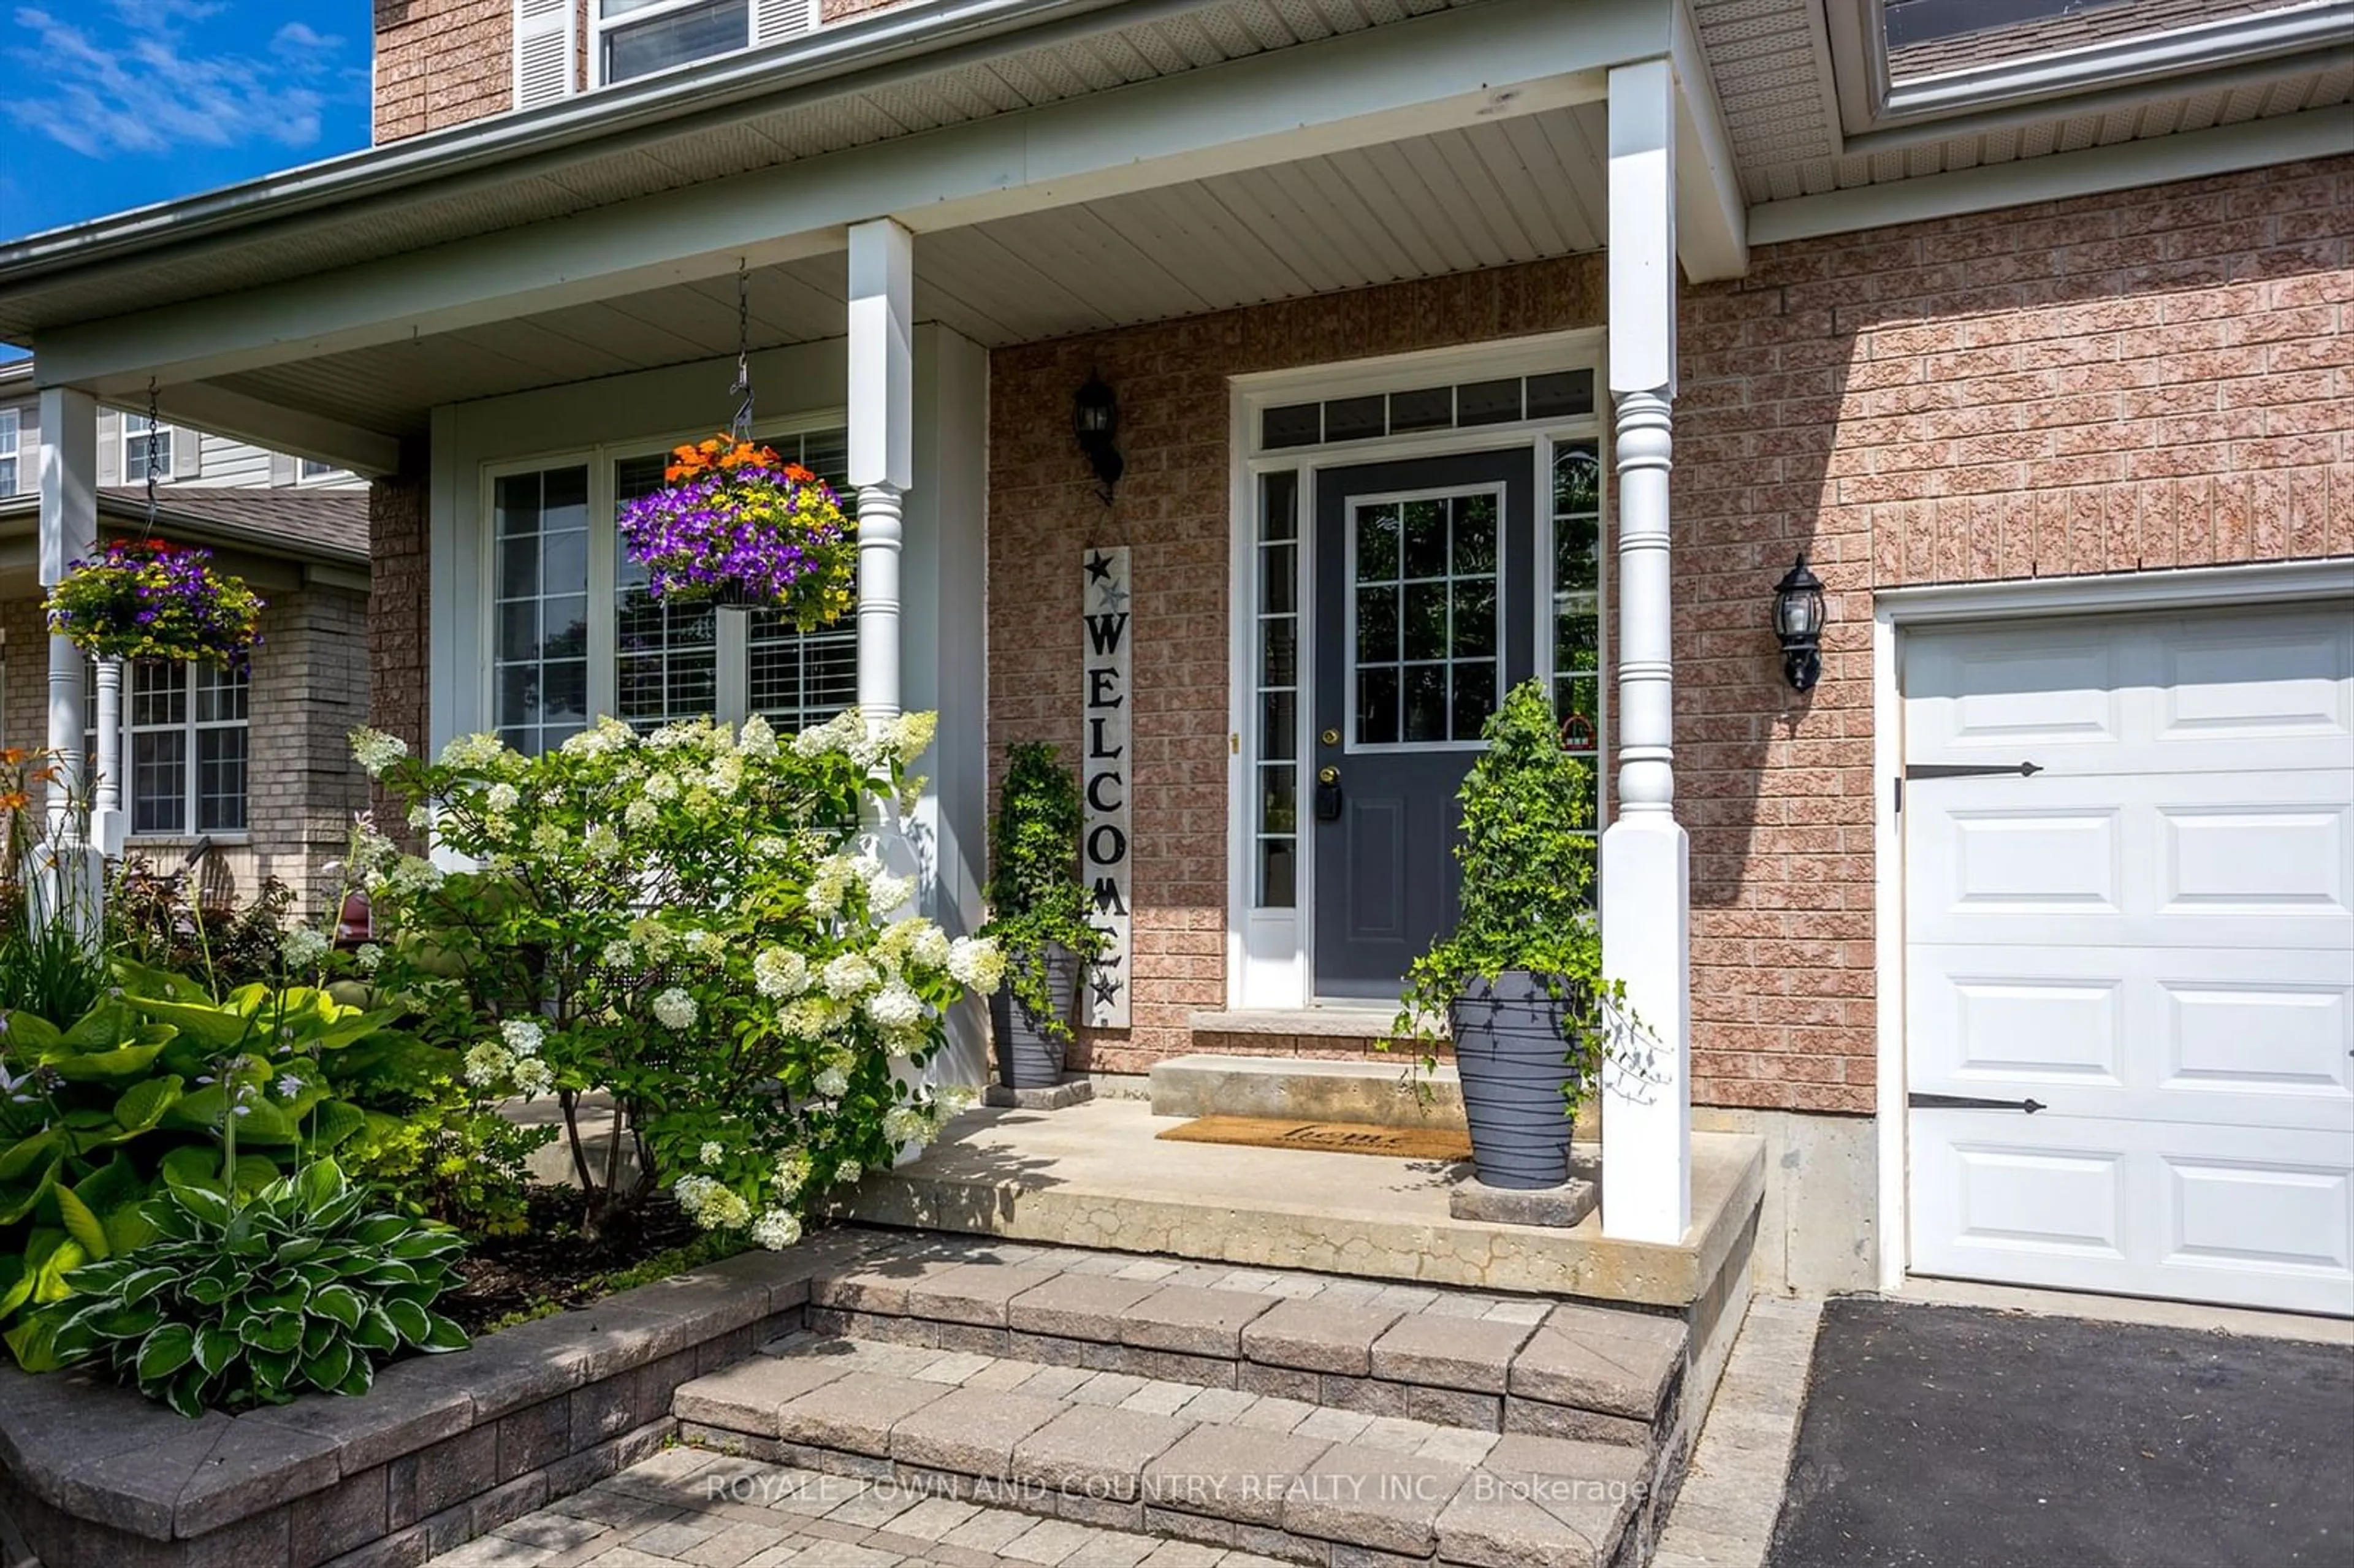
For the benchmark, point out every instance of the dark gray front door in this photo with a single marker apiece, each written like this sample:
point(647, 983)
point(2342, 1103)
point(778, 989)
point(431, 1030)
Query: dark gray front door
point(1425, 612)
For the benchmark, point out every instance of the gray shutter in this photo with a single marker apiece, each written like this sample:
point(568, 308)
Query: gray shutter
point(545, 54)
point(282, 471)
point(777, 19)
point(110, 447)
point(187, 452)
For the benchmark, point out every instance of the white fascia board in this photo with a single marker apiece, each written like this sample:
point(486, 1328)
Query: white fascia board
point(279, 428)
point(1444, 70)
point(2117, 62)
point(2159, 160)
point(1712, 217)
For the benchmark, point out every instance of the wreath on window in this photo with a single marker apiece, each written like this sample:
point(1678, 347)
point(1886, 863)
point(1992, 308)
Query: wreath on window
point(737, 525)
point(144, 598)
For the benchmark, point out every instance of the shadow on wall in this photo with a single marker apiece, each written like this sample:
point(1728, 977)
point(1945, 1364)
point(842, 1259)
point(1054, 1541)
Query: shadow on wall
point(2122, 383)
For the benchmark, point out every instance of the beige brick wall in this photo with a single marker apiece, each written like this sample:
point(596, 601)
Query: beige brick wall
point(2154, 378)
point(1171, 510)
point(310, 686)
point(440, 63)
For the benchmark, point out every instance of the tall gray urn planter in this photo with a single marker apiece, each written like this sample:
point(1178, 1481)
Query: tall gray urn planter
point(1028, 1057)
point(1511, 1055)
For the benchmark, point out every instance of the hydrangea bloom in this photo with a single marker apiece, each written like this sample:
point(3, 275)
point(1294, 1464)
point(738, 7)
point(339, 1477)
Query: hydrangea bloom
point(524, 1036)
point(896, 1006)
point(776, 1230)
point(377, 751)
point(487, 1062)
point(975, 962)
point(674, 1009)
point(849, 976)
point(780, 972)
point(304, 946)
point(533, 1077)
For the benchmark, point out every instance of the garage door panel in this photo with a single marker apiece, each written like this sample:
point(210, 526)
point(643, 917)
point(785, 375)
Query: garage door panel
point(2150, 938)
point(2098, 1204)
point(2250, 1039)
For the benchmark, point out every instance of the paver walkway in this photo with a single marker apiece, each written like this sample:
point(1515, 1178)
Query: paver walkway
point(1724, 1518)
point(686, 1507)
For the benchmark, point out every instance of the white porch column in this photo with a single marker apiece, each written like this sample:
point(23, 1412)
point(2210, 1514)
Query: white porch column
point(1646, 858)
point(67, 531)
point(882, 445)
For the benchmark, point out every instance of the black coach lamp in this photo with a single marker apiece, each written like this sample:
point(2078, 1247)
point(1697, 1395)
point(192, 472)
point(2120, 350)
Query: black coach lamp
point(1094, 419)
point(1798, 622)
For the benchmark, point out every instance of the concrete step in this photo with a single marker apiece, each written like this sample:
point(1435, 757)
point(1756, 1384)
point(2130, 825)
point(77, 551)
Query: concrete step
point(1285, 1478)
point(1371, 1094)
point(1465, 1359)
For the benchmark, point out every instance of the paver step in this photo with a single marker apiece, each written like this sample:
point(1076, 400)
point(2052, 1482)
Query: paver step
point(1260, 1473)
point(1457, 1358)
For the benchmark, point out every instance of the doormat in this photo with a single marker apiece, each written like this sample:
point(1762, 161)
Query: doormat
point(1326, 1136)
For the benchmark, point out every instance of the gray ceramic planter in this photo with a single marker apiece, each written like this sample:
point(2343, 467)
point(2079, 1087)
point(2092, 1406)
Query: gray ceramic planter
point(1510, 1053)
point(1028, 1057)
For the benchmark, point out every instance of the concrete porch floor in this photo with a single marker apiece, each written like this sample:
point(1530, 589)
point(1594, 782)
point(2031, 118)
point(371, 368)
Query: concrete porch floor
point(1095, 1175)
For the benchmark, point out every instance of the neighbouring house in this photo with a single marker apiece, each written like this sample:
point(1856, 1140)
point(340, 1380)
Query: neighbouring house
point(1441, 346)
point(240, 776)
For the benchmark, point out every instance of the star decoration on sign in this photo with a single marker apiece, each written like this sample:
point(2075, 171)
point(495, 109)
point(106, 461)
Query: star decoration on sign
point(1099, 567)
point(1111, 597)
point(1107, 991)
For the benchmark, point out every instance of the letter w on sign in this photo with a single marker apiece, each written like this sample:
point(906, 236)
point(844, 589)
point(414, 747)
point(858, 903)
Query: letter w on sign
point(1107, 645)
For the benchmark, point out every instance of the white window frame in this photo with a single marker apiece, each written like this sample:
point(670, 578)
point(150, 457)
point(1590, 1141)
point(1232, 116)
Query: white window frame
point(328, 472)
point(732, 698)
point(137, 427)
point(599, 27)
point(188, 727)
point(1270, 957)
point(12, 443)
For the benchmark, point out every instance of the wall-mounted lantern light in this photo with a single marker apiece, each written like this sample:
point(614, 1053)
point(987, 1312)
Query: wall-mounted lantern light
point(1094, 419)
point(1798, 622)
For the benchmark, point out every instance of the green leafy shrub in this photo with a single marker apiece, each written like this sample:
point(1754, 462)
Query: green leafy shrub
point(1036, 902)
point(1527, 852)
point(692, 921)
point(234, 1304)
point(159, 1081)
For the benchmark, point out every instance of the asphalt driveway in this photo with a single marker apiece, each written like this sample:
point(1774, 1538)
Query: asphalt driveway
point(1958, 1437)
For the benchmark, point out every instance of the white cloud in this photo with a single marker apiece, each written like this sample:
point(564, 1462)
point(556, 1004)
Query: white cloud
point(134, 81)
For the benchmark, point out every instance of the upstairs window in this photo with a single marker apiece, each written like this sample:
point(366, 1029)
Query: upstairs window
point(638, 37)
point(10, 440)
point(145, 441)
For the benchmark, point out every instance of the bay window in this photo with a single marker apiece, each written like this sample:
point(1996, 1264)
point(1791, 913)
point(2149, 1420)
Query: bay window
point(575, 631)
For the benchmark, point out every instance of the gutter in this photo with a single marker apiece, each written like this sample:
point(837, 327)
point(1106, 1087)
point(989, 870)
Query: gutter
point(904, 43)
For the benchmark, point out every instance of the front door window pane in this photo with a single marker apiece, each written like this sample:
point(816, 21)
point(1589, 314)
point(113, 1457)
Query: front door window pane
point(1426, 595)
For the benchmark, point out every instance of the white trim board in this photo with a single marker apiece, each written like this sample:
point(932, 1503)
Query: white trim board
point(1897, 610)
point(2159, 160)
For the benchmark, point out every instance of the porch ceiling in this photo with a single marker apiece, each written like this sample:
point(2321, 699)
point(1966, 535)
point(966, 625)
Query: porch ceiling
point(1502, 191)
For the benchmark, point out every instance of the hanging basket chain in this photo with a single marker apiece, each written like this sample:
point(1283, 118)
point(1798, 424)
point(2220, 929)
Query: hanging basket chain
point(154, 429)
point(742, 388)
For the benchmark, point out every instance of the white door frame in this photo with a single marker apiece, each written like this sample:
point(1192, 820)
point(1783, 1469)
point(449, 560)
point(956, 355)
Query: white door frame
point(1901, 610)
point(1270, 957)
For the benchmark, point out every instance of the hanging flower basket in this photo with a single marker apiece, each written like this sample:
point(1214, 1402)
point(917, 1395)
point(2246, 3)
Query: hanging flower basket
point(144, 598)
point(737, 524)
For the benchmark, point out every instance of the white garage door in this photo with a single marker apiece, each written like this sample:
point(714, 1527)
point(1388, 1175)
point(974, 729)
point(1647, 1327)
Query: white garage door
point(2150, 938)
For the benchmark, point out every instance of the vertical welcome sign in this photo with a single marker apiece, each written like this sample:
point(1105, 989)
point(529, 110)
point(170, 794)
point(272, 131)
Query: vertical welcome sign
point(1104, 765)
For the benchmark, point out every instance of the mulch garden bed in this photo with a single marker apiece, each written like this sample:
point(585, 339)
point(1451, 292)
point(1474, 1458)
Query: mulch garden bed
point(553, 1264)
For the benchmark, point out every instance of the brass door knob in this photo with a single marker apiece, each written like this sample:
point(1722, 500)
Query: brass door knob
point(1328, 775)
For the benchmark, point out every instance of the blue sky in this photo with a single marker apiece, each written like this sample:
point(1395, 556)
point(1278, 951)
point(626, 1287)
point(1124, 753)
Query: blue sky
point(109, 104)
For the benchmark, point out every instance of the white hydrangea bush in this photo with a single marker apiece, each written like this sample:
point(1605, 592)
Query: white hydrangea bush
point(691, 921)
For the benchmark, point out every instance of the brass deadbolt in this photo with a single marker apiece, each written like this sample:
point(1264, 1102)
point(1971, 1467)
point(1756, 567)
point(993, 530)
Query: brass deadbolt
point(1330, 738)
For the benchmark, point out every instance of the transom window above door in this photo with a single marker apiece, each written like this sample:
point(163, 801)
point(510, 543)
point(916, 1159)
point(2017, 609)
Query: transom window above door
point(576, 631)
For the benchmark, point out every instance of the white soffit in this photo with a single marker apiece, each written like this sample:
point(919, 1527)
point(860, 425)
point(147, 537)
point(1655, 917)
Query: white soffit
point(1500, 191)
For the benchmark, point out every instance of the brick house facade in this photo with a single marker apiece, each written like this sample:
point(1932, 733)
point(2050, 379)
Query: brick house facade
point(2127, 382)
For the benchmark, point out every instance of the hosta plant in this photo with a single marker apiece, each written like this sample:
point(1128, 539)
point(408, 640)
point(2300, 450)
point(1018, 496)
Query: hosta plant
point(237, 1304)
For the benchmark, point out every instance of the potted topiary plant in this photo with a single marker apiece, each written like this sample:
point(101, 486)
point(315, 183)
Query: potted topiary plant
point(1519, 982)
point(1038, 914)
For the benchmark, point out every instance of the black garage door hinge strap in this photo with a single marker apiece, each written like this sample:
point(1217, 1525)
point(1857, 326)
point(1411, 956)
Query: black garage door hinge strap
point(1961, 770)
point(1970, 1102)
